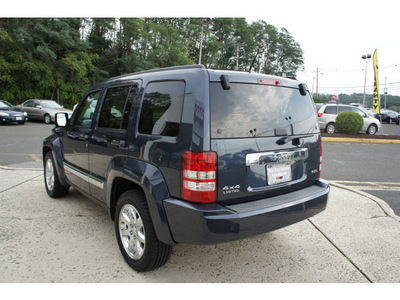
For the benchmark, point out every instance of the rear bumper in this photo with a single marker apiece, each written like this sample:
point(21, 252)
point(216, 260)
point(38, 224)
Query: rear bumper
point(212, 223)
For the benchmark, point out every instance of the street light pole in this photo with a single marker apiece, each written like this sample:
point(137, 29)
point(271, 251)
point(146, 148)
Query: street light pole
point(366, 57)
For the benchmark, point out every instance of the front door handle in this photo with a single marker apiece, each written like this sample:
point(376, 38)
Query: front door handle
point(118, 143)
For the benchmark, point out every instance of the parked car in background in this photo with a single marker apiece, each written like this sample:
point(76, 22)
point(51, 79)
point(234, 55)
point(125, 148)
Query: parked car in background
point(10, 114)
point(388, 116)
point(327, 114)
point(44, 110)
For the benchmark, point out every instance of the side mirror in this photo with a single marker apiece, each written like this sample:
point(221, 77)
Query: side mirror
point(61, 119)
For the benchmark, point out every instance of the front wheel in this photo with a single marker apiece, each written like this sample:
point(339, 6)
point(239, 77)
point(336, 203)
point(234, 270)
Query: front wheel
point(136, 236)
point(47, 119)
point(372, 129)
point(54, 188)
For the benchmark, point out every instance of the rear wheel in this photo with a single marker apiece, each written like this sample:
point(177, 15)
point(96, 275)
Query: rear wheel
point(135, 234)
point(330, 128)
point(372, 129)
point(53, 186)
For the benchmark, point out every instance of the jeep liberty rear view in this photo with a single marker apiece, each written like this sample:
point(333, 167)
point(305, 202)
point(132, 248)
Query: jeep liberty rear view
point(190, 155)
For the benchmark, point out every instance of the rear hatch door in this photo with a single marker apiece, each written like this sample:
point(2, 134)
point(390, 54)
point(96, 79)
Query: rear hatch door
point(266, 138)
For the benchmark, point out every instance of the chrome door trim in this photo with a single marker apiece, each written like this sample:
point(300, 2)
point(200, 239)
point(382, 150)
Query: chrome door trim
point(92, 180)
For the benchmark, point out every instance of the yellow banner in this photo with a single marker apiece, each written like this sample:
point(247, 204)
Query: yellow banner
point(376, 103)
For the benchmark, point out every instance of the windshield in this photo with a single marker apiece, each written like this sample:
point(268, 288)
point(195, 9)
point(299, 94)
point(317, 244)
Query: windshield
point(5, 104)
point(50, 104)
point(251, 110)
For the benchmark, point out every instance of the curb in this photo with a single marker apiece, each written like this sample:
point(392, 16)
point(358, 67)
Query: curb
point(353, 140)
point(20, 169)
point(382, 204)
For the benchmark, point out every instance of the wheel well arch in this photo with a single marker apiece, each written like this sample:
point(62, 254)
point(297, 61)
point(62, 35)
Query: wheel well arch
point(119, 186)
point(45, 150)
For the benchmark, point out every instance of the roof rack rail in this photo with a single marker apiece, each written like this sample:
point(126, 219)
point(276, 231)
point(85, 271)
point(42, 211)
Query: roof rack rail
point(161, 69)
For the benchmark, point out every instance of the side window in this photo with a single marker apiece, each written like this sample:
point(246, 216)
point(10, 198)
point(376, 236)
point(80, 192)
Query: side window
point(332, 109)
point(162, 108)
point(116, 107)
point(28, 103)
point(344, 108)
point(360, 112)
point(84, 116)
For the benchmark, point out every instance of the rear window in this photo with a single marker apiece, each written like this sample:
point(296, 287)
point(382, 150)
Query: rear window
point(249, 110)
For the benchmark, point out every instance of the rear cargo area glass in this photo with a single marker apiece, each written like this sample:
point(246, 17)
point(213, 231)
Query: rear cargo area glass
point(251, 110)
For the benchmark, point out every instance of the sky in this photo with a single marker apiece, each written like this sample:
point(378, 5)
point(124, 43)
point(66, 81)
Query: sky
point(332, 34)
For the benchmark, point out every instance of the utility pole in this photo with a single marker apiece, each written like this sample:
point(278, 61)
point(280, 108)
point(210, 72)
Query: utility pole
point(201, 42)
point(237, 57)
point(317, 82)
point(385, 92)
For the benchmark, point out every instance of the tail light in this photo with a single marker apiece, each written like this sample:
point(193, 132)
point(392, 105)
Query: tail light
point(320, 115)
point(199, 176)
point(320, 160)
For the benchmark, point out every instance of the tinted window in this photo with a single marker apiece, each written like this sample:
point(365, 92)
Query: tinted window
point(162, 108)
point(116, 107)
point(247, 110)
point(331, 110)
point(85, 112)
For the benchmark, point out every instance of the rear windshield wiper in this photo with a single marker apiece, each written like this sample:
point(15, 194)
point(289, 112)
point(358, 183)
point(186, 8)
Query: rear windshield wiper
point(287, 139)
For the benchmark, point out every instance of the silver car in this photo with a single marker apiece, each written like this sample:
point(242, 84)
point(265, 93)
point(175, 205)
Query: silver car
point(44, 110)
point(327, 114)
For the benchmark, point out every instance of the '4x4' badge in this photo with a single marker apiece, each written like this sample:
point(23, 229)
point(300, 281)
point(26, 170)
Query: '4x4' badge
point(231, 189)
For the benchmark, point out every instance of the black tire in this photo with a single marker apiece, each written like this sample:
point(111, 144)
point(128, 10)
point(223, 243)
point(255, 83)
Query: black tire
point(54, 188)
point(132, 217)
point(372, 129)
point(47, 119)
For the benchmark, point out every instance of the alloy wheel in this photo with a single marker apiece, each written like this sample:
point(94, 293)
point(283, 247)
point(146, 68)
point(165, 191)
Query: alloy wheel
point(132, 232)
point(49, 173)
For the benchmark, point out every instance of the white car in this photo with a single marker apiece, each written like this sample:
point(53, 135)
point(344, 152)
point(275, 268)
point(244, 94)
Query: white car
point(327, 114)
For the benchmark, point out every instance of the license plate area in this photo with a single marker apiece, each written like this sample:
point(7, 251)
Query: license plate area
point(279, 173)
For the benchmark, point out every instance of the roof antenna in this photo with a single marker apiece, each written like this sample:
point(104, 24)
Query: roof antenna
point(254, 60)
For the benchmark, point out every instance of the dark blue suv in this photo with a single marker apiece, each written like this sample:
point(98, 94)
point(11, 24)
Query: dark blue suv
point(190, 155)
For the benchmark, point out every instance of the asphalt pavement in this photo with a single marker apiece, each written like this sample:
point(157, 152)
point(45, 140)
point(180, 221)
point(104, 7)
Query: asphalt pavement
point(43, 240)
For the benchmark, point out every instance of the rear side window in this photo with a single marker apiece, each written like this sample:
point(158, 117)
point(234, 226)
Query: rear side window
point(332, 110)
point(344, 108)
point(162, 108)
point(116, 107)
point(251, 110)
